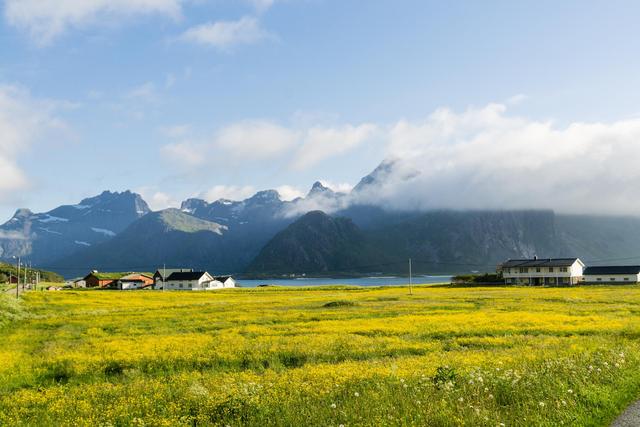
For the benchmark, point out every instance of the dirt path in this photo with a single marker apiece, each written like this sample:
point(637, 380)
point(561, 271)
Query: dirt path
point(630, 417)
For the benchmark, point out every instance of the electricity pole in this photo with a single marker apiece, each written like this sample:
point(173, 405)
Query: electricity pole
point(17, 276)
point(410, 279)
point(164, 276)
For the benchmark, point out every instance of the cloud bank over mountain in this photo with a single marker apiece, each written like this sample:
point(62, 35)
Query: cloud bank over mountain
point(486, 158)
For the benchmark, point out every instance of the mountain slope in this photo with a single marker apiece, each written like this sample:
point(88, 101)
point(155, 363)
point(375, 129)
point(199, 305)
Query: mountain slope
point(314, 244)
point(438, 242)
point(168, 236)
point(42, 237)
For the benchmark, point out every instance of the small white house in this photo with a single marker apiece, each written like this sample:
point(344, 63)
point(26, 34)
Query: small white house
point(226, 281)
point(539, 272)
point(617, 274)
point(188, 280)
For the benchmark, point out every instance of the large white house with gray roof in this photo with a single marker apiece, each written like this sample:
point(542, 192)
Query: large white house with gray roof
point(543, 271)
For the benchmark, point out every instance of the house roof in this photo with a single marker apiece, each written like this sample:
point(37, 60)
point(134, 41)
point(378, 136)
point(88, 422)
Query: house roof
point(186, 275)
point(541, 262)
point(134, 276)
point(106, 276)
point(169, 271)
point(611, 269)
point(222, 278)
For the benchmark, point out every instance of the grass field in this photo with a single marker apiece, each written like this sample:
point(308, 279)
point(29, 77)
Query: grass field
point(326, 357)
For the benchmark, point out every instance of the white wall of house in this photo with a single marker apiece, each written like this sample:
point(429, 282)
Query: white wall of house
point(124, 285)
point(229, 283)
point(186, 285)
point(612, 278)
point(557, 275)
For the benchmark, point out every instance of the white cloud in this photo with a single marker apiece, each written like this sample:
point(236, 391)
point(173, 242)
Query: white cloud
point(226, 34)
point(340, 187)
point(13, 235)
point(484, 158)
point(231, 192)
point(321, 143)
point(47, 19)
point(23, 122)
point(255, 140)
point(157, 200)
point(288, 192)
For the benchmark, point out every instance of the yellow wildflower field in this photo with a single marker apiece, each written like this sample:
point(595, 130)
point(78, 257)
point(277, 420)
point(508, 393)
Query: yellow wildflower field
point(323, 356)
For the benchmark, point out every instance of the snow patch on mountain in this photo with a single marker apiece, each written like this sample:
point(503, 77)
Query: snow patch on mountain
point(49, 218)
point(104, 231)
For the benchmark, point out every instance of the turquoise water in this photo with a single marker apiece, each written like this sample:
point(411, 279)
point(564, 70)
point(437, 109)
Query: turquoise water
point(361, 281)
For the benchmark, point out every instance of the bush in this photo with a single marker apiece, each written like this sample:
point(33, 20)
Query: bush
point(341, 303)
point(444, 375)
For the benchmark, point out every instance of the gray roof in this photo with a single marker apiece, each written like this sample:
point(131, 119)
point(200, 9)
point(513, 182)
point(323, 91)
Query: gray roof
point(222, 278)
point(612, 269)
point(540, 262)
point(186, 275)
point(169, 271)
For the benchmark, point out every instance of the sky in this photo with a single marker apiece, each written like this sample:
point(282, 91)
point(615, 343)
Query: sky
point(529, 104)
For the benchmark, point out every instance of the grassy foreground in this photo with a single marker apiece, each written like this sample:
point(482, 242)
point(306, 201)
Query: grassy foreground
point(326, 357)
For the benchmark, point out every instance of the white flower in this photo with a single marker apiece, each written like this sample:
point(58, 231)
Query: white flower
point(334, 406)
point(356, 394)
point(461, 399)
point(404, 385)
point(541, 404)
point(491, 396)
point(570, 391)
point(564, 403)
point(341, 425)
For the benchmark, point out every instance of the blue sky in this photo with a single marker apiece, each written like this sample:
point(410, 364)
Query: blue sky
point(217, 98)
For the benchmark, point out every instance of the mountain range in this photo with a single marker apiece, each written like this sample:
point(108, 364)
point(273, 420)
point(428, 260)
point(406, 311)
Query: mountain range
point(323, 233)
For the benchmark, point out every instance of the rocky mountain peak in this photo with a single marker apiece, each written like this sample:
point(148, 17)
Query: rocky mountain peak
point(319, 189)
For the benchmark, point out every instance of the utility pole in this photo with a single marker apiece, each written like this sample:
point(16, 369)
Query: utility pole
point(17, 276)
point(410, 279)
point(24, 282)
point(164, 276)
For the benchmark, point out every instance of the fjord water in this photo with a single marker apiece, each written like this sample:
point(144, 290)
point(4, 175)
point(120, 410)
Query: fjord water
point(360, 281)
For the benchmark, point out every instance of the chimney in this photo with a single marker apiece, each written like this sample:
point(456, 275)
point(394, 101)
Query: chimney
point(535, 257)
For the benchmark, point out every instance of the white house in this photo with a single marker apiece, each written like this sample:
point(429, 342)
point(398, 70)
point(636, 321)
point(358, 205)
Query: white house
point(538, 272)
point(612, 274)
point(162, 273)
point(188, 280)
point(226, 281)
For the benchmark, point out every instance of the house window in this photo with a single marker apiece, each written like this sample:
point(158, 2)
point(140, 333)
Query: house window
point(523, 270)
point(537, 269)
point(626, 278)
point(563, 269)
point(599, 279)
point(550, 269)
point(181, 285)
point(613, 279)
